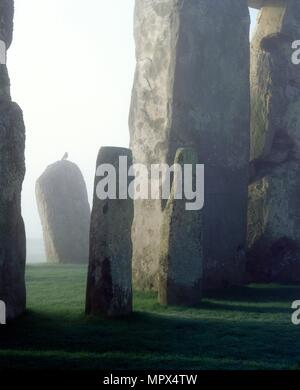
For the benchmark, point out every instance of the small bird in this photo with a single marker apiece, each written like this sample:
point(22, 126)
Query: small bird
point(65, 156)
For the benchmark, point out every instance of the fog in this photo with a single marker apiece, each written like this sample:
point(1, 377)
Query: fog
point(71, 67)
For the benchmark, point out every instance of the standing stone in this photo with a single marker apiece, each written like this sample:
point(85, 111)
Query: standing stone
point(12, 171)
point(191, 89)
point(274, 202)
point(64, 212)
point(109, 286)
point(181, 252)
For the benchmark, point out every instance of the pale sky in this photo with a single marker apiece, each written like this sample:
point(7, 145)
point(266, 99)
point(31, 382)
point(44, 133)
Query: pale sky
point(71, 67)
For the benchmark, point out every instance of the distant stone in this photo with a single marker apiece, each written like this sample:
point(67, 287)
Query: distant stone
point(65, 213)
point(181, 251)
point(109, 287)
point(12, 171)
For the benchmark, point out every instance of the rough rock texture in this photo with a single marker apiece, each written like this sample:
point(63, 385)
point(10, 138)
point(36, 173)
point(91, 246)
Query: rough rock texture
point(6, 21)
point(2, 313)
point(12, 171)
point(181, 252)
point(191, 89)
point(255, 3)
point(260, 3)
point(65, 213)
point(274, 202)
point(109, 286)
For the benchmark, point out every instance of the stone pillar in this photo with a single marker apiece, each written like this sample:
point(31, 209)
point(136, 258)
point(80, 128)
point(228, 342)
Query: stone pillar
point(12, 171)
point(274, 202)
point(191, 89)
point(109, 286)
point(64, 210)
point(181, 251)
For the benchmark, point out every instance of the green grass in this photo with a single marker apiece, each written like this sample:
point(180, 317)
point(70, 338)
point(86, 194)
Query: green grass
point(245, 328)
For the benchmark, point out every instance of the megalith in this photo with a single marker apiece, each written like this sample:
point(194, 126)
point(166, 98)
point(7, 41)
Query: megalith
point(109, 284)
point(191, 89)
point(274, 202)
point(181, 246)
point(64, 211)
point(12, 171)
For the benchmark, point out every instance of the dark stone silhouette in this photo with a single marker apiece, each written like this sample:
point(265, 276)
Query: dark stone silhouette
point(12, 171)
point(109, 285)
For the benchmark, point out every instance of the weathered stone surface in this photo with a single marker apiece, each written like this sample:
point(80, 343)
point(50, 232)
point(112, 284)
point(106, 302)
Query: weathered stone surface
point(274, 203)
point(6, 33)
point(191, 89)
point(181, 248)
point(109, 286)
point(2, 313)
point(6, 21)
point(255, 3)
point(65, 213)
point(263, 3)
point(12, 171)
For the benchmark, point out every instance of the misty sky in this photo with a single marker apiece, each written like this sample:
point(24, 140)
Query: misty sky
point(71, 67)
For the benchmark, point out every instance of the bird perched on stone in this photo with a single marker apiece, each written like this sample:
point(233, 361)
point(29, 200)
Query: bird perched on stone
point(65, 156)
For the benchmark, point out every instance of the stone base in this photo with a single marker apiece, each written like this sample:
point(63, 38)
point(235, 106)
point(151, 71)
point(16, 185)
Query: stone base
point(171, 293)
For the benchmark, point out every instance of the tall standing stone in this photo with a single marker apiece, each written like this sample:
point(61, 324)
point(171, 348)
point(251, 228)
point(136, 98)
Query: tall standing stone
point(109, 285)
point(191, 89)
point(181, 251)
point(64, 210)
point(12, 171)
point(274, 202)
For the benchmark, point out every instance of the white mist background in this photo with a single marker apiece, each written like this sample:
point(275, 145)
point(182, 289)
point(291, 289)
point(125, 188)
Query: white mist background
point(71, 66)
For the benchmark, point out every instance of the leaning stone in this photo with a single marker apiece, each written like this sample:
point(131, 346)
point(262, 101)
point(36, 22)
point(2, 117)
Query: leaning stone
point(181, 251)
point(65, 213)
point(109, 286)
point(12, 171)
point(191, 89)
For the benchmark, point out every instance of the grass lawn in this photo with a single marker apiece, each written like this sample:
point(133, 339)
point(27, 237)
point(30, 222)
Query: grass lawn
point(245, 328)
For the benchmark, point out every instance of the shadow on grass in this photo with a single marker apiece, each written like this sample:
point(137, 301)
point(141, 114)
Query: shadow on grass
point(257, 293)
point(167, 339)
point(244, 308)
point(244, 328)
